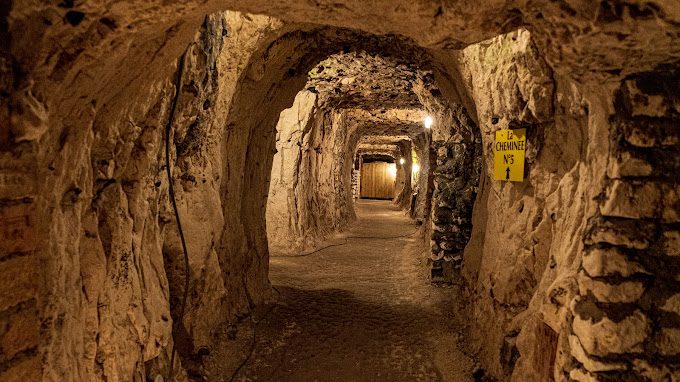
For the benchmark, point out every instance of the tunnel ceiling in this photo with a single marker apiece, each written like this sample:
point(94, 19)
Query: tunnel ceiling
point(363, 80)
point(608, 33)
point(390, 122)
point(379, 95)
point(382, 139)
point(381, 145)
point(390, 145)
point(392, 150)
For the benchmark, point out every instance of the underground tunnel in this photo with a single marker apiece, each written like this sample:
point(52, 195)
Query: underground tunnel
point(220, 190)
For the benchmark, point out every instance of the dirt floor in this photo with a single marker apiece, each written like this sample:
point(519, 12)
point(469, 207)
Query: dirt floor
point(361, 309)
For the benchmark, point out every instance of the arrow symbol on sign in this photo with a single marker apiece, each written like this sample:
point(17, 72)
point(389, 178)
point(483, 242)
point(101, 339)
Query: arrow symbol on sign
point(507, 173)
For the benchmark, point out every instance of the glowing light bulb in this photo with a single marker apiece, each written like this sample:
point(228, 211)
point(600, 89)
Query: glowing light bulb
point(428, 122)
point(402, 161)
point(415, 168)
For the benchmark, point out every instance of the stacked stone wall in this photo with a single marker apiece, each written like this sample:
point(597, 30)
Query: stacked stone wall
point(626, 322)
point(456, 178)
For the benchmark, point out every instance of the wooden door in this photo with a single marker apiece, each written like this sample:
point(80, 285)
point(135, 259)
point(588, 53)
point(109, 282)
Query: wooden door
point(377, 180)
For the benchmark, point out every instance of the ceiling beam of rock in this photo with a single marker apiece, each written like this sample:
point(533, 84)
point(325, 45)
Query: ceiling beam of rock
point(400, 122)
point(392, 146)
point(392, 150)
point(389, 116)
point(383, 139)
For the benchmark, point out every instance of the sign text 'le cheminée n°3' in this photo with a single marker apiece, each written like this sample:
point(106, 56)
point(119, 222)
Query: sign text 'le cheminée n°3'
point(508, 156)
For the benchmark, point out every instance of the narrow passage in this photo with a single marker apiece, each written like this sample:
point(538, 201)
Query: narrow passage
point(363, 311)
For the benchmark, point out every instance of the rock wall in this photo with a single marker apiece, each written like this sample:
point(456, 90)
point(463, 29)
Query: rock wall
point(310, 194)
point(522, 246)
point(456, 178)
point(105, 286)
point(420, 207)
point(403, 186)
point(626, 319)
point(539, 312)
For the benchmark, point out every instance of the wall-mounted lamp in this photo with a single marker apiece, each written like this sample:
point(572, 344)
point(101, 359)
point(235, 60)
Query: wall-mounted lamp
point(402, 161)
point(428, 122)
point(415, 168)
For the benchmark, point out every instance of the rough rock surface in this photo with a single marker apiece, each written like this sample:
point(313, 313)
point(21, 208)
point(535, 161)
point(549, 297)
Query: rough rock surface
point(113, 268)
point(574, 272)
point(574, 211)
point(310, 195)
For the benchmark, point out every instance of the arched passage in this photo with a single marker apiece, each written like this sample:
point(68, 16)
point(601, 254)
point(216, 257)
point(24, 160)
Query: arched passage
point(81, 165)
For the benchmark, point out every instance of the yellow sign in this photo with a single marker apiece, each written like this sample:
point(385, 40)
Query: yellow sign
point(508, 156)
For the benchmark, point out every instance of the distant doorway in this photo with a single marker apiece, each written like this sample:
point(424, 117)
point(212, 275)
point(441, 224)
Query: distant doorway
point(378, 180)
